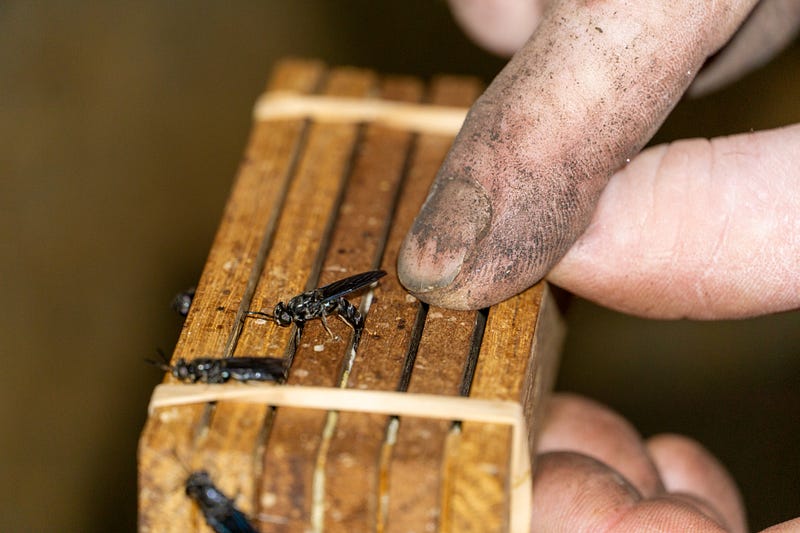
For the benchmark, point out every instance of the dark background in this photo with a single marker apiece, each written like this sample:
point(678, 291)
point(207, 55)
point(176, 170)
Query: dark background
point(121, 128)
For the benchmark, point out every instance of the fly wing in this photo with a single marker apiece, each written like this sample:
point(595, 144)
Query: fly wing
point(255, 368)
point(348, 285)
point(235, 522)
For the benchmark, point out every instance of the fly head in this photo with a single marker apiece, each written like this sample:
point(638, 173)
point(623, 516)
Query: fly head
point(282, 315)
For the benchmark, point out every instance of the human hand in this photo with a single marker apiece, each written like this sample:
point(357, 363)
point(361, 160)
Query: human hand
point(697, 228)
point(595, 473)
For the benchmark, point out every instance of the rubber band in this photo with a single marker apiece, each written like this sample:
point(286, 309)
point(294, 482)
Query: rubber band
point(419, 118)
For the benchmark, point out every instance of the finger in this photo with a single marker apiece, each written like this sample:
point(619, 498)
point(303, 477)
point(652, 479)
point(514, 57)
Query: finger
point(522, 179)
point(575, 493)
point(577, 424)
point(698, 229)
point(500, 26)
point(770, 27)
point(687, 468)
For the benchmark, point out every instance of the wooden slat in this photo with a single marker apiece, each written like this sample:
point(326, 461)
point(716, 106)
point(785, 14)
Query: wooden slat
point(290, 268)
point(356, 245)
point(349, 485)
point(417, 456)
point(480, 475)
point(168, 437)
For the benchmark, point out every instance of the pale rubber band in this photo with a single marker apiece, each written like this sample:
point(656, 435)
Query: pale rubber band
point(420, 118)
point(379, 402)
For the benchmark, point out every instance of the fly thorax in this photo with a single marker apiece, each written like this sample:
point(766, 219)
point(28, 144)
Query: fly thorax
point(182, 370)
point(331, 305)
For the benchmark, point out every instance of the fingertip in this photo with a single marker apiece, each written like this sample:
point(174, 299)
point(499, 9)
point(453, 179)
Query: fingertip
point(770, 27)
point(499, 26)
point(685, 466)
point(575, 492)
point(448, 229)
point(578, 424)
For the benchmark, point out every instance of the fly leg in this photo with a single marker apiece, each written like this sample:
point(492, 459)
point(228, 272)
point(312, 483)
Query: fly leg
point(350, 314)
point(323, 318)
point(298, 331)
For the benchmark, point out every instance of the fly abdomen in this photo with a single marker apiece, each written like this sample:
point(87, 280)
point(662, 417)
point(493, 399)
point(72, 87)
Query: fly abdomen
point(350, 314)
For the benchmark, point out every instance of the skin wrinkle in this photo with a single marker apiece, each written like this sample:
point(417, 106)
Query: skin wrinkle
point(656, 182)
point(663, 206)
point(723, 154)
point(670, 514)
point(651, 201)
point(684, 225)
point(706, 279)
point(675, 175)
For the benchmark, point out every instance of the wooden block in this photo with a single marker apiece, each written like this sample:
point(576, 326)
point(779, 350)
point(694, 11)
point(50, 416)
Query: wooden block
point(419, 428)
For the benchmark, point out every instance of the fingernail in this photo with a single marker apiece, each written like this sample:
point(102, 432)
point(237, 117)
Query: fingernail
point(453, 219)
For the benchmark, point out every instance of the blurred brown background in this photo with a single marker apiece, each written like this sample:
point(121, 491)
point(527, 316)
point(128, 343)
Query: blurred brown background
point(121, 127)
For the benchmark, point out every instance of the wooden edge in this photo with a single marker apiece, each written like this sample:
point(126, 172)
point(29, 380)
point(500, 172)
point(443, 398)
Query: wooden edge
point(379, 402)
point(421, 118)
point(549, 334)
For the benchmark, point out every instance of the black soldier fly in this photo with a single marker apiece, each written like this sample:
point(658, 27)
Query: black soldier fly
point(211, 370)
point(219, 511)
point(324, 301)
point(183, 301)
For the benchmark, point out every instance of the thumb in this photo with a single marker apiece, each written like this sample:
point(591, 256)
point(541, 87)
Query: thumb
point(524, 174)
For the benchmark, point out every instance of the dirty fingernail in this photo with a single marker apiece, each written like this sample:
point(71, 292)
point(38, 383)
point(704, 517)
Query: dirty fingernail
point(452, 221)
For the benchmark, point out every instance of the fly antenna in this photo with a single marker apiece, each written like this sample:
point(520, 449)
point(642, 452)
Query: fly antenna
point(163, 364)
point(162, 355)
point(259, 314)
